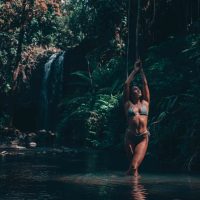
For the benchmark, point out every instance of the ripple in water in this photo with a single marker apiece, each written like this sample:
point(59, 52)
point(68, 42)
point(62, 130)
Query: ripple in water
point(57, 178)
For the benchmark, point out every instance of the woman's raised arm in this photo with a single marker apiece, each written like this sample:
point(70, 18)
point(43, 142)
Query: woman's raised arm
point(145, 89)
point(137, 67)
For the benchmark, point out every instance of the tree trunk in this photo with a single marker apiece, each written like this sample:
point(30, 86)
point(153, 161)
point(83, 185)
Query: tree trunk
point(18, 59)
point(21, 33)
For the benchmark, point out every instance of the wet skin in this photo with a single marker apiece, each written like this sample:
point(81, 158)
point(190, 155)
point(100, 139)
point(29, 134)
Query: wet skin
point(136, 124)
point(135, 100)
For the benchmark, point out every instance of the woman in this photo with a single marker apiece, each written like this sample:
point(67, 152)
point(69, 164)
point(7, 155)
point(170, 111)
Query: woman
point(136, 103)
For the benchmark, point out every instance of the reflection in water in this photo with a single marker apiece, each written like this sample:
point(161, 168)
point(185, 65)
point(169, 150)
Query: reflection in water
point(76, 176)
point(138, 190)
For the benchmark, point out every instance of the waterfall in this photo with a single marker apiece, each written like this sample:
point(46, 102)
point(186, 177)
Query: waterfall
point(44, 91)
point(51, 91)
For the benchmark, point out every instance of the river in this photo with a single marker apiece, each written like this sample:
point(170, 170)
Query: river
point(71, 174)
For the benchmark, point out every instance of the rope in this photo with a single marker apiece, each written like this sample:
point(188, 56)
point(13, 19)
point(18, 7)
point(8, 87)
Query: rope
point(136, 34)
point(137, 31)
point(128, 40)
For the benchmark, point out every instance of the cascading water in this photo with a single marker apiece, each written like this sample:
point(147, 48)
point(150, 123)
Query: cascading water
point(51, 91)
point(44, 91)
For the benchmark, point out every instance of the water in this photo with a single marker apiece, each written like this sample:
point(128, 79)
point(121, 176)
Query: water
point(44, 90)
point(51, 90)
point(51, 174)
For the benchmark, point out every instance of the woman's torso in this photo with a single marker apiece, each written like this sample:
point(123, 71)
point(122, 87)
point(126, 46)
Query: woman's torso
point(137, 117)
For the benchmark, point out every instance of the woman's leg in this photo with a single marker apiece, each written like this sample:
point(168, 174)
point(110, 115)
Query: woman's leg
point(129, 147)
point(139, 153)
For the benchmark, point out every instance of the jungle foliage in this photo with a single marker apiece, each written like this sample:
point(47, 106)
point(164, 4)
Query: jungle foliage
point(92, 115)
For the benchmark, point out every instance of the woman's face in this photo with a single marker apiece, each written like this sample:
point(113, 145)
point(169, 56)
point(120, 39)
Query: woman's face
point(136, 92)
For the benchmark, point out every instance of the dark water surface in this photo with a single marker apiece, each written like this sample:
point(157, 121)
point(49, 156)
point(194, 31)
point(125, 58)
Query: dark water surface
point(82, 175)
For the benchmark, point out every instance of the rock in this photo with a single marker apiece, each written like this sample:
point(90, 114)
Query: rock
point(46, 138)
point(21, 136)
point(15, 142)
point(32, 144)
point(17, 147)
point(20, 147)
point(3, 153)
point(31, 137)
point(14, 138)
point(32, 134)
point(18, 132)
point(43, 131)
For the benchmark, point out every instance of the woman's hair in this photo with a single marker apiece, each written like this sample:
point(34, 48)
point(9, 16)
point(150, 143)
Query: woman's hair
point(133, 84)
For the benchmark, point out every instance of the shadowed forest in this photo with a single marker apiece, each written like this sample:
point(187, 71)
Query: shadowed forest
point(63, 65)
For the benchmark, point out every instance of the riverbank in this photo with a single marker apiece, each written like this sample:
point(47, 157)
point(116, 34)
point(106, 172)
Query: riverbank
point(16, 139)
